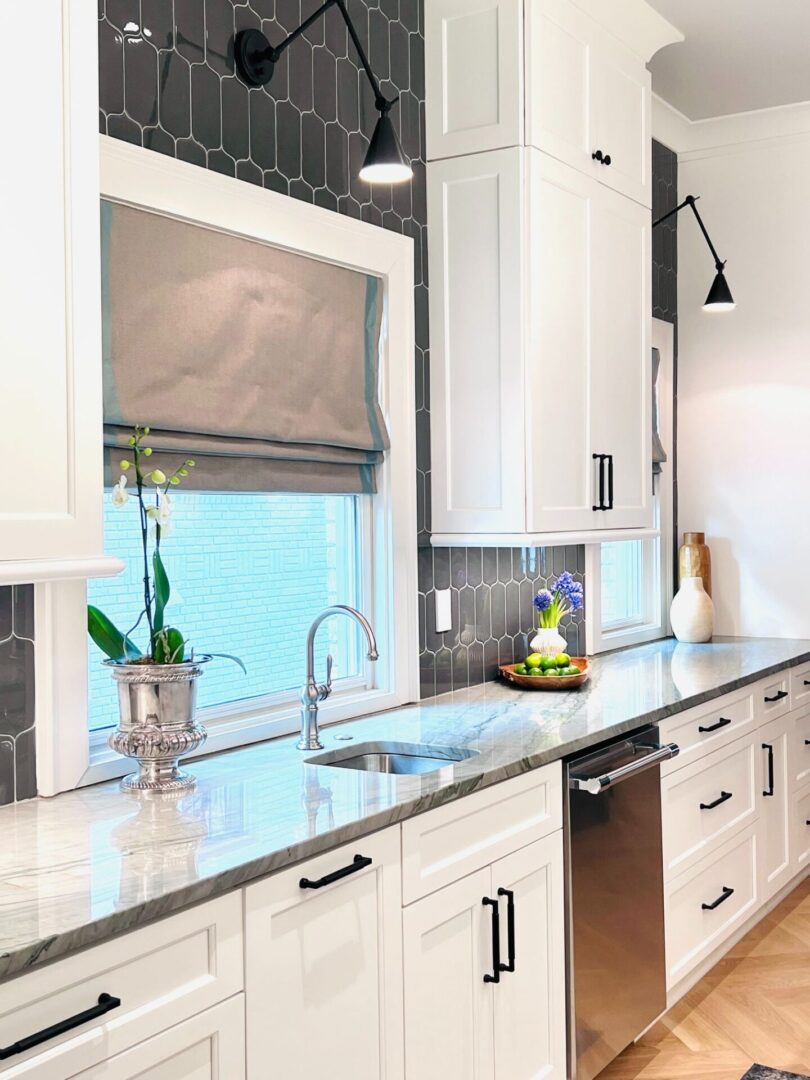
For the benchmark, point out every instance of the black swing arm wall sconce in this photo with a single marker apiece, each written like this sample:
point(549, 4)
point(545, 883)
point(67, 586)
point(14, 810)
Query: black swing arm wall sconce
point(256, 58)
point(719, 298)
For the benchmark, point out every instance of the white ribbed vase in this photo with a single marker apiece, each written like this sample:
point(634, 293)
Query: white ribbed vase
point(548, 641)
point(692, 612)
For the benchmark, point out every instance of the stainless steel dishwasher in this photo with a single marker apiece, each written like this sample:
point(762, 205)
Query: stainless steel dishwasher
point(615, 897)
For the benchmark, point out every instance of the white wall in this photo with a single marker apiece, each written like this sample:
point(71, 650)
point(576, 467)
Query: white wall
point(744, 377)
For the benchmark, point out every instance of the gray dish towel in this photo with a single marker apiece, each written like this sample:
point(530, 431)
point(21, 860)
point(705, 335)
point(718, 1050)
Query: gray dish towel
point(762, 1072)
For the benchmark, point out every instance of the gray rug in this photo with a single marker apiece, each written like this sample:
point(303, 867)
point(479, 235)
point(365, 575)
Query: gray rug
point(762, 1072)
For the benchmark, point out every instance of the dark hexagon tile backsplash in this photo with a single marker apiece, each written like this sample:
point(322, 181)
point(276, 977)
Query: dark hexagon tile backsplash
point(17, 750)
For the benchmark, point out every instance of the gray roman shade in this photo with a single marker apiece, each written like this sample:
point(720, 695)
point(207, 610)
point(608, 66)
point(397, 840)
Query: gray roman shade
point(659, 454)
point(259, 363)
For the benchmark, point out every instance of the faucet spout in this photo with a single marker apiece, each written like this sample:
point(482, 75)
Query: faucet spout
point(313, 693)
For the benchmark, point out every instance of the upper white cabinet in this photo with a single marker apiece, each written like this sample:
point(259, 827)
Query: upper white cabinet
point(540, 312)
point(566, 77)
point(50, 339)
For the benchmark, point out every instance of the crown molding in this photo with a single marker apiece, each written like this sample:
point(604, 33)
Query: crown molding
point(634, 22)
point(717, 135)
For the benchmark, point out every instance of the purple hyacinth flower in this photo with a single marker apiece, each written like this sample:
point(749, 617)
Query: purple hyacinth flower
point(543, 600)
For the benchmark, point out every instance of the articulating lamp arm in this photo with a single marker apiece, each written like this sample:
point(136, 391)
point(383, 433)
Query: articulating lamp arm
point(690, 201)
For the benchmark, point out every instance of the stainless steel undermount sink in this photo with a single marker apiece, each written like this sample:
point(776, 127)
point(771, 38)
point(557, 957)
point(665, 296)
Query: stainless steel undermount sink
point(394, 758)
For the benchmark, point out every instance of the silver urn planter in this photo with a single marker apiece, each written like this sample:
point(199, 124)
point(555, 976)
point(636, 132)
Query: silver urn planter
point(157, 725)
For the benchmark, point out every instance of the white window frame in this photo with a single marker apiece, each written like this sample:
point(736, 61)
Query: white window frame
point(150, 181)
point(658, 551)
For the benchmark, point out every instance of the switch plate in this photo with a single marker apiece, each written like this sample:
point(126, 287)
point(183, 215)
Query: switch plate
point(444, 620)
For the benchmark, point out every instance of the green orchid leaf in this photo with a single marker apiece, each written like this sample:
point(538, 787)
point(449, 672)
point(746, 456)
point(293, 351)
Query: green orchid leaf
point(162, 591)
point(228, 656)
point(108, 637)
point(175, 646)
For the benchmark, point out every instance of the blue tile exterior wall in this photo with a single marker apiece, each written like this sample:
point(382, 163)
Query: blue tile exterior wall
point(17, 749)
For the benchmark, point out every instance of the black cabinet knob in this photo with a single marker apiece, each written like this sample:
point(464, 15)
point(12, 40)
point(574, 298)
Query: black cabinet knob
point(606, 159)
point(597, 156)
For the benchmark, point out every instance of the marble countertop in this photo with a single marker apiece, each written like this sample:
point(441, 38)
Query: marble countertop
point(79, 867)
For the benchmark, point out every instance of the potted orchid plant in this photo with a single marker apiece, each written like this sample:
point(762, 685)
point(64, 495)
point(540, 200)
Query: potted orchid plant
point(552, 605)
point(157, 688)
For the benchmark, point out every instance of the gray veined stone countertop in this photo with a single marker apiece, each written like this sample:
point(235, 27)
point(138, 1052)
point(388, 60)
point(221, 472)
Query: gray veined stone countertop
point(84, 865)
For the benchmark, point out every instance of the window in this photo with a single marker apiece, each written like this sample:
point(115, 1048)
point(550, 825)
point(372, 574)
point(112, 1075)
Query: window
point(249, 572)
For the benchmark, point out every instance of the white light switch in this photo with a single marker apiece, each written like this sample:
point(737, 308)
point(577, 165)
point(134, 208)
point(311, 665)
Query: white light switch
point(444, 620)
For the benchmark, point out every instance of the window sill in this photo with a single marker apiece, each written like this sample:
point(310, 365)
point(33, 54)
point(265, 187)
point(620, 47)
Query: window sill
point(34, 571)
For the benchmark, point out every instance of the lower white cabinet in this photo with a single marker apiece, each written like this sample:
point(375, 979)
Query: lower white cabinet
point(324, 966)
point(208, 1046)
point(801, 830)
point(466, 1014)
point(774, 807)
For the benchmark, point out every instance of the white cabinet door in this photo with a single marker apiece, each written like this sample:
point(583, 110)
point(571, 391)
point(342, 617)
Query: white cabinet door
point(621, 365)
point(774, 806)
point(561, 474)
point(50, 315)
point(559, 54)
point(448, 1006)
point(473, 75)
point(800, 830)
point(620, 95)
point(475, 208)
point(530, 1001)
point(324, 967)
point(208, 1046)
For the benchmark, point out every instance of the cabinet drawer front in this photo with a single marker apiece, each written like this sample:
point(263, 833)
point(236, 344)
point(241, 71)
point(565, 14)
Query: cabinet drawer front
point(801, 829)
point(705, 802)
point(800, 686)
point(210, 1046)
point(162, 974)
point(772, 697)
point(703, 730)
point(695, 930)
point(452, 841)
point(800, 749)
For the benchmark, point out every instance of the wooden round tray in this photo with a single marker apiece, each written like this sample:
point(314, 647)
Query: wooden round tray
point(548, 682)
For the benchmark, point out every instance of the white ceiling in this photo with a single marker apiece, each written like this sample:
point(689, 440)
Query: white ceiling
point(738, 55)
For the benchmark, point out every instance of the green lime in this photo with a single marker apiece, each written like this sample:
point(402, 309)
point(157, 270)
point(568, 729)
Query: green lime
point(547, 662)
point(570, 670)
point(562, 660)
point(520, 669)
point(534, 660)
point(552, 672)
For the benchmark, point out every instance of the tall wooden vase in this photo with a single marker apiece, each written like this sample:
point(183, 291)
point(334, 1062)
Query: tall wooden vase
point(695, 559)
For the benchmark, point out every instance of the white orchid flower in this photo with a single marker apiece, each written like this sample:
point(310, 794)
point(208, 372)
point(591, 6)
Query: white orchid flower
point(161, 512)
point(120, 495)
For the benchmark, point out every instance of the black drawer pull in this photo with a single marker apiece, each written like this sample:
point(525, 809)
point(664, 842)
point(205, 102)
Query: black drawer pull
point(359, 862)
point(721, 899)
point(769, 748)
point(807, 742)
point(510, 929)
point(807, 682)
point(610, 468)
point(601, 458)
point(723, 797)
point(777, 696)
point(106, 1002)
point(495, 977)
point(722, 722)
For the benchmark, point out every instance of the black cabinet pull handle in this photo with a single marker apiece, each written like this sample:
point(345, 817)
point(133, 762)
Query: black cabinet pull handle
point(723, 797)
point(510, 929)
point(495, 977)
point(722, 722)
point(601, 459)
point(769, 748)
point(106, 1002)
point(597, 156)
point(359, 862)
point(721, 899)
point(807, 682)
point(610, 481)
point(606, 159)
point(807, 742)
point(777, 696)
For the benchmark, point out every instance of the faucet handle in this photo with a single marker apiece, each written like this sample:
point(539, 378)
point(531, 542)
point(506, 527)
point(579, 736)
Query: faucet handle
point(325, 689)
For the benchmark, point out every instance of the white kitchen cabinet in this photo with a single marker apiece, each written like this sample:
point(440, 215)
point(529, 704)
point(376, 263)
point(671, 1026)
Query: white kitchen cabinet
point(324, 966)
point(459, 1021)
point(209, 1046)
point(774, 806)
point(50, 329)
point(800, 830)
point(520, 240)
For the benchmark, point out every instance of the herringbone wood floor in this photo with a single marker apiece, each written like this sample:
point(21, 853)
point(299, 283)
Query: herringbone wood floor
point(753, 1006)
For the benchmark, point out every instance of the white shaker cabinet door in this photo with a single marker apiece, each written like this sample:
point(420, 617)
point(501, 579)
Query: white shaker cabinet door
point(475, 208)
point(621, 364)
point(448, 1006)
point(529, 1002)
point(620, 95)
point(561, 470)
point(324, 966)
point(473, 76)
point(774, 806)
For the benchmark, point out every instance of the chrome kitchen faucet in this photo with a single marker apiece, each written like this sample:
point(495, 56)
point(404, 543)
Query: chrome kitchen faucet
point(314, 692)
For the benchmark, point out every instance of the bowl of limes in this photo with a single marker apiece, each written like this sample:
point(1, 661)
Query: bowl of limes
point(561, 672)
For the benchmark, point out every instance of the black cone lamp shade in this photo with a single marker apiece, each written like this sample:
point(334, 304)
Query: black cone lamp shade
point(385, 162)
point(719, 298)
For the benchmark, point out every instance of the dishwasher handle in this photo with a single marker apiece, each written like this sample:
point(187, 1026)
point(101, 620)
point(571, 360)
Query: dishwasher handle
point(595, 785)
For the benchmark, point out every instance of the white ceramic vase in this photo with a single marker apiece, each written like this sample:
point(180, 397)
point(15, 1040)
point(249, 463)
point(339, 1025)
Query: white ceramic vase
point(692, 612)
point(548, 641)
